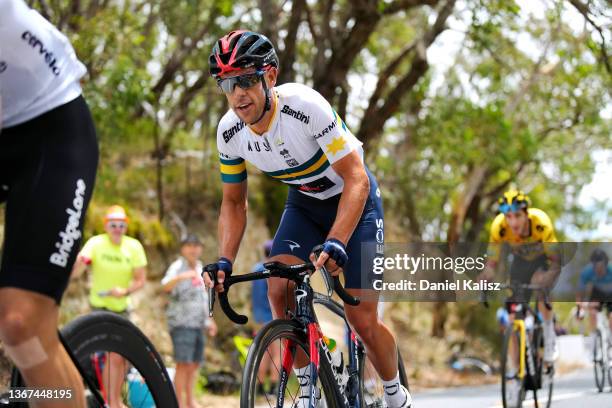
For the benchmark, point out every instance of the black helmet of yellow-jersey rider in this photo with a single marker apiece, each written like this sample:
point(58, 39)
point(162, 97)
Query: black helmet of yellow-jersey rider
point(513, 200)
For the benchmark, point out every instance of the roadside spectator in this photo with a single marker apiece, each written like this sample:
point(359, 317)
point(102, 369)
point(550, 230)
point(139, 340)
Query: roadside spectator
point(262, 314)
point(118, 269)
point(187, 315)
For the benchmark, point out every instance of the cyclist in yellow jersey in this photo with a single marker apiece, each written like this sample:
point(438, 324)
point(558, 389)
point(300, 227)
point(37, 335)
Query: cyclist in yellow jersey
point(530, 236)
point(118, 269)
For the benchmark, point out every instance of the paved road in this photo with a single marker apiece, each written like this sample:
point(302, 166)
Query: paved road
point(576, 389)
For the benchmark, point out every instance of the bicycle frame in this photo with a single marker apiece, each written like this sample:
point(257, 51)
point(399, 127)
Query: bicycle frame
point(306, 317)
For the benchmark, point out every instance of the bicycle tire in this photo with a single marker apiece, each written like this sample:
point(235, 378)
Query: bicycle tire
point(599, 362)
point(546, 373)
point(510, 332)
point(108, 332)
point(274, 331)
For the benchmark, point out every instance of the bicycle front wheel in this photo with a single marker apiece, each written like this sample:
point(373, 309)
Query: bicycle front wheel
point(261, 382)
point(512, 387)
point(99, 339)
point(599, 365)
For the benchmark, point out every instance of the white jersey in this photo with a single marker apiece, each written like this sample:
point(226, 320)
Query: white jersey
point(305, 137)
point(39, 70)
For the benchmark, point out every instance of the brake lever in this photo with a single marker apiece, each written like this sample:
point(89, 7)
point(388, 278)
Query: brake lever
point(212, 270)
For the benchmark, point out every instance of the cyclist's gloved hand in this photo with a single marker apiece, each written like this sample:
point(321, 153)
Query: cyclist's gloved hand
point(335, 250)
point(224, 269)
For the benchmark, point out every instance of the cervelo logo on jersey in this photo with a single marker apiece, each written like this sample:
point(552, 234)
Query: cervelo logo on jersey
point(71, 233)
point(35, 43)
point(299, 115)
point(229, 133)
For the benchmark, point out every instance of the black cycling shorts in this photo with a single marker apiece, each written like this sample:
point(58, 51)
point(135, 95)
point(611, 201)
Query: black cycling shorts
point(604, 299)
point(47, 173)
point(521, 271)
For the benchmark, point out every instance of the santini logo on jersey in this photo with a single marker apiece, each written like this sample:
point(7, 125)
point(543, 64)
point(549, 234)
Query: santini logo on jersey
point(229, 133)
point(35, 43)
point(299, 115)
point(325, 131)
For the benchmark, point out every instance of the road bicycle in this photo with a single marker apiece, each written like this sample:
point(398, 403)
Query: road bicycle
point(524, 346)
point(522, 359)
point(332, 384)
point(88, 339)
point(602, 352)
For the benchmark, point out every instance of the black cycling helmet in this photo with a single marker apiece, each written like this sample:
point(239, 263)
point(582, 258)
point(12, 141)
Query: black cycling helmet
point(241, 49)
point(599, 255)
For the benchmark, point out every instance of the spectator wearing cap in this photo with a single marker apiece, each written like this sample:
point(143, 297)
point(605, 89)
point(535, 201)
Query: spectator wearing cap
point(187, 314)
point(118, 269)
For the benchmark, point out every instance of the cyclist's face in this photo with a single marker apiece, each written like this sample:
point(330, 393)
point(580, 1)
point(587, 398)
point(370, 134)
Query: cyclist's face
point(518, 222)
point(191, 252)
point(249, 103)
point(600, 268)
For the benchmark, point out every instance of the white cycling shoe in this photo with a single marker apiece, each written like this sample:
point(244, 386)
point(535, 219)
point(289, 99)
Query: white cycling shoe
point(551, 350)
point(407, 401)
point(513, 390)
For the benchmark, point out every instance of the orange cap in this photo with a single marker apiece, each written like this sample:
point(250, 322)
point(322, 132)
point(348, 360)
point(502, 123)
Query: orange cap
point(115, 212)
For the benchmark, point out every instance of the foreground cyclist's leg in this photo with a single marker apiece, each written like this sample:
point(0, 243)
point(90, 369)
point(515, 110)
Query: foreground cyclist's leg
point(378, 340)
point(28, 330)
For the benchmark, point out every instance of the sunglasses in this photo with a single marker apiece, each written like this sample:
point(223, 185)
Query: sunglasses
point(117, 225)
point(506, 208)
point(245, 81)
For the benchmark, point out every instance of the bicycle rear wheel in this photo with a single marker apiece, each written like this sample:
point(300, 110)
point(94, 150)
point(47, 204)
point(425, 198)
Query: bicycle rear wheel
point(91, 339)
point(599, 365)
point(512, 387)
point(277, 339)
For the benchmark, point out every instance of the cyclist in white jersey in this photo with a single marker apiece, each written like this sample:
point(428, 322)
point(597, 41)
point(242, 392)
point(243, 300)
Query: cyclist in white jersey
point(48, 160)
point(292, 134)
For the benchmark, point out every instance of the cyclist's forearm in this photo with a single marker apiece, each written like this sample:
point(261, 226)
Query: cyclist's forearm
point(232, 223)
point(351, 206)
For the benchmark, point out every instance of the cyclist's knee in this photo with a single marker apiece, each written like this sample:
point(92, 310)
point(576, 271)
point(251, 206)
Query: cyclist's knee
point(23, 346)
point(24, 315)
point(364, 323)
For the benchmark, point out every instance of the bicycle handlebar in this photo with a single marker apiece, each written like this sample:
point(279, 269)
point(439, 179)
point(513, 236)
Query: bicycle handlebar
point(294, 273)
point(519, 286)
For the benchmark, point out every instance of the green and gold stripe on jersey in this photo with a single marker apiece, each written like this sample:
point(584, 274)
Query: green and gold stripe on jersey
point(233, 170)
point(316, 165)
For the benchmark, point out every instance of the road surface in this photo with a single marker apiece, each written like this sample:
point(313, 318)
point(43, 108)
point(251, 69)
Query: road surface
point(576, 389)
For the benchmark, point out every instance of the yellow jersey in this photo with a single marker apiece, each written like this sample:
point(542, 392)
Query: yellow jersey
point(531, 247)
point(112, 265)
